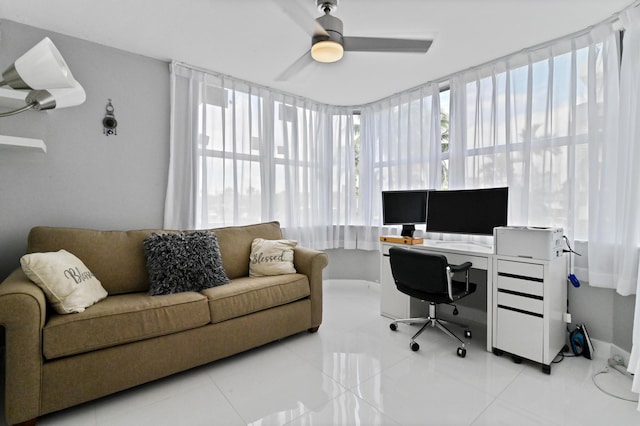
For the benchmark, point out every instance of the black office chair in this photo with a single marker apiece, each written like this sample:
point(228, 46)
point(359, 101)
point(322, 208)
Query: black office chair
point(429, 277)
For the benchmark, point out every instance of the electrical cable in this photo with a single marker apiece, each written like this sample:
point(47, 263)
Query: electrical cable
point(572, 278)
point(606, 370)
point(562, 356)
point(571, 250)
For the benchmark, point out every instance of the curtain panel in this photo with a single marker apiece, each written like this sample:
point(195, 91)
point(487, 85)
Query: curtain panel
point(241, 153)
point(529, 122)
point(400, 148)
point(627, 224)
point(614, 236)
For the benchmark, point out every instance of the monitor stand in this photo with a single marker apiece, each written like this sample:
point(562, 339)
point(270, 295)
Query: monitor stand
point(407, 230)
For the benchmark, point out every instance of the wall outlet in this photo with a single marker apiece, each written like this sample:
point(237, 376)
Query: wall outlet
point(567, 317)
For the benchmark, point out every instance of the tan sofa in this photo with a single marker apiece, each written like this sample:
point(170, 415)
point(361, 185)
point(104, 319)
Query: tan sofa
point(56, 361)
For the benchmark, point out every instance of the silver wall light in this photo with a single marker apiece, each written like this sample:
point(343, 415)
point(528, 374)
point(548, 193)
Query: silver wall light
point(45, 74)
point(109, 121)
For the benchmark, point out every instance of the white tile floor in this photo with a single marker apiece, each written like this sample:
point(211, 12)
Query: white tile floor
point(355, 371)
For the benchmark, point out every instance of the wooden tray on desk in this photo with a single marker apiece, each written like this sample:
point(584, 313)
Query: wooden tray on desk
point(402, 240)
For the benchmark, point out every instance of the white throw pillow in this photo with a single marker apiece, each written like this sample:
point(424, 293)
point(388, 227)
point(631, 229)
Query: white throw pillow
point(271, 257)
point(68, 284)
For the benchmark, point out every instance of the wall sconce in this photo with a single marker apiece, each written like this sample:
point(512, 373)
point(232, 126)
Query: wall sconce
point(43, 72)
point(109, 121)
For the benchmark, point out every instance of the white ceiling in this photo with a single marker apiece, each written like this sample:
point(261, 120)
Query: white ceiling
point(255, 40)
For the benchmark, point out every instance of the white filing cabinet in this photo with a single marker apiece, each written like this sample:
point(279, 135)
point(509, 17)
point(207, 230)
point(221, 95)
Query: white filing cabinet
point(530, 300)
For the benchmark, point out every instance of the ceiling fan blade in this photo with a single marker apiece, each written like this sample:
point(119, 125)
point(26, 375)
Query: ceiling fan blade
point(374, 44)
point(301, 16)
point(300, 63)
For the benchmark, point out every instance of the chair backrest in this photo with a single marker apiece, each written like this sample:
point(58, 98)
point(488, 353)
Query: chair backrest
point(419, 274)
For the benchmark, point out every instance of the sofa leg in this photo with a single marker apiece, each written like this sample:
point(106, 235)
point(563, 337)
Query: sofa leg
point(314, 329)
point(31, 422)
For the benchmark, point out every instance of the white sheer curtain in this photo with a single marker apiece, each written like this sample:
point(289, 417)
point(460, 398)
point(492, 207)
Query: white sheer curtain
point(526, 122)
point(400, 149)
point(241, 153)
point(614, 235)
point(627, 220)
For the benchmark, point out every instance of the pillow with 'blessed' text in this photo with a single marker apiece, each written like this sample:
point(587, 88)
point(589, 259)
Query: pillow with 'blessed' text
point(271, 257)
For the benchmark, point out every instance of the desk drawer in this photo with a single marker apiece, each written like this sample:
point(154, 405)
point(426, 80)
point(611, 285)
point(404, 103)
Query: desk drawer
point(520, 334)
point(478, 262)
point(521, 303)
point(458, 259)
point(535, 288)
point(520, 269)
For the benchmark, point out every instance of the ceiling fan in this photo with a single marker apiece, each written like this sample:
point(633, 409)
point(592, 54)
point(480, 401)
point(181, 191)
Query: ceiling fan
point(328, 43)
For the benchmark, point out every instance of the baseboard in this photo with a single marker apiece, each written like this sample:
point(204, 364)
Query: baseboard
point(605, 350)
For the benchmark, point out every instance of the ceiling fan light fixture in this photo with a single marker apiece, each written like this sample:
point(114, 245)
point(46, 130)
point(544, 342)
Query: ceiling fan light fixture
point(327, 51)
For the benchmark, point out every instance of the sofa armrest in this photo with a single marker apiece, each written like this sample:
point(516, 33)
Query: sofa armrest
point(23, 309)
point(311, 263)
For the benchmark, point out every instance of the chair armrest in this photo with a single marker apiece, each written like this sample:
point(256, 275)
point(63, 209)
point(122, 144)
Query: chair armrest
point(462, 267)
point(311, 263)
point(23, 310)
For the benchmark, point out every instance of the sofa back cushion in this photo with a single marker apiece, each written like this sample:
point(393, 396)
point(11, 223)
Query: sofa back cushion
point(117, 258)
point(235, 245)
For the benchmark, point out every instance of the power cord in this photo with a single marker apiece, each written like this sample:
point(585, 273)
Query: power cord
point(617, 365)
point(562, 355)
point(574, 280)
point(571, 250)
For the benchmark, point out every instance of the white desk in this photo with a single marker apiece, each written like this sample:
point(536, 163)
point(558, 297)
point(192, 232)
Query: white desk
point(394, 304)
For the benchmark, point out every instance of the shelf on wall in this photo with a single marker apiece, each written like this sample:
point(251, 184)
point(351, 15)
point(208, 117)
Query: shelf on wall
point(24, 144)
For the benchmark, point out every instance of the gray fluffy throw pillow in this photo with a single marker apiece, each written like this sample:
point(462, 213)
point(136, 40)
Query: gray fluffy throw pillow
point(183, 262)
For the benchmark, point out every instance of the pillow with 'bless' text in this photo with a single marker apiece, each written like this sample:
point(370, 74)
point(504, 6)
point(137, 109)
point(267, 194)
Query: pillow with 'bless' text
point(271, 257)
point(68, 284)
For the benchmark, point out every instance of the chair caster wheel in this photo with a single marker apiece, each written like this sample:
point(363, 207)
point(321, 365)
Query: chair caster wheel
point(516, 359)
point(467, 334)
point(393, 326)
point(414, 346)
point(462, 352)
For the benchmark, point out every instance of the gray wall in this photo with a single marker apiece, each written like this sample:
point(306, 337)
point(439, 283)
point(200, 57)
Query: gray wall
point(90, 180)
point(608, 316)
point(85, 179)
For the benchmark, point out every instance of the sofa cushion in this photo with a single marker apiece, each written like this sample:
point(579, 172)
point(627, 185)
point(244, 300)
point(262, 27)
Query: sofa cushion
point(68, 284)
point(116, 258)
point(271, 257)
point(247, 295)
point(122, 319)
point(182, 261)
point(235, 245)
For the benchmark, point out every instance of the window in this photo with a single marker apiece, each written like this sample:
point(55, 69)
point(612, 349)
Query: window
point(526, 126)
point(444, 136)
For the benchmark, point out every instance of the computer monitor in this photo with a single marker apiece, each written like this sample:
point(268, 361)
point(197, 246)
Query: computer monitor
point(406, 208)
point(470, 211)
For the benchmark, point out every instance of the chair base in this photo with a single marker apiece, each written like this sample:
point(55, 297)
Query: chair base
point(433, 321)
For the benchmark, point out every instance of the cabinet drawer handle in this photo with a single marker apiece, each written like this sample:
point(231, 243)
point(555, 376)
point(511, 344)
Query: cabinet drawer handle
point(520, 277)
point(520, 311)
point(518, 293)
